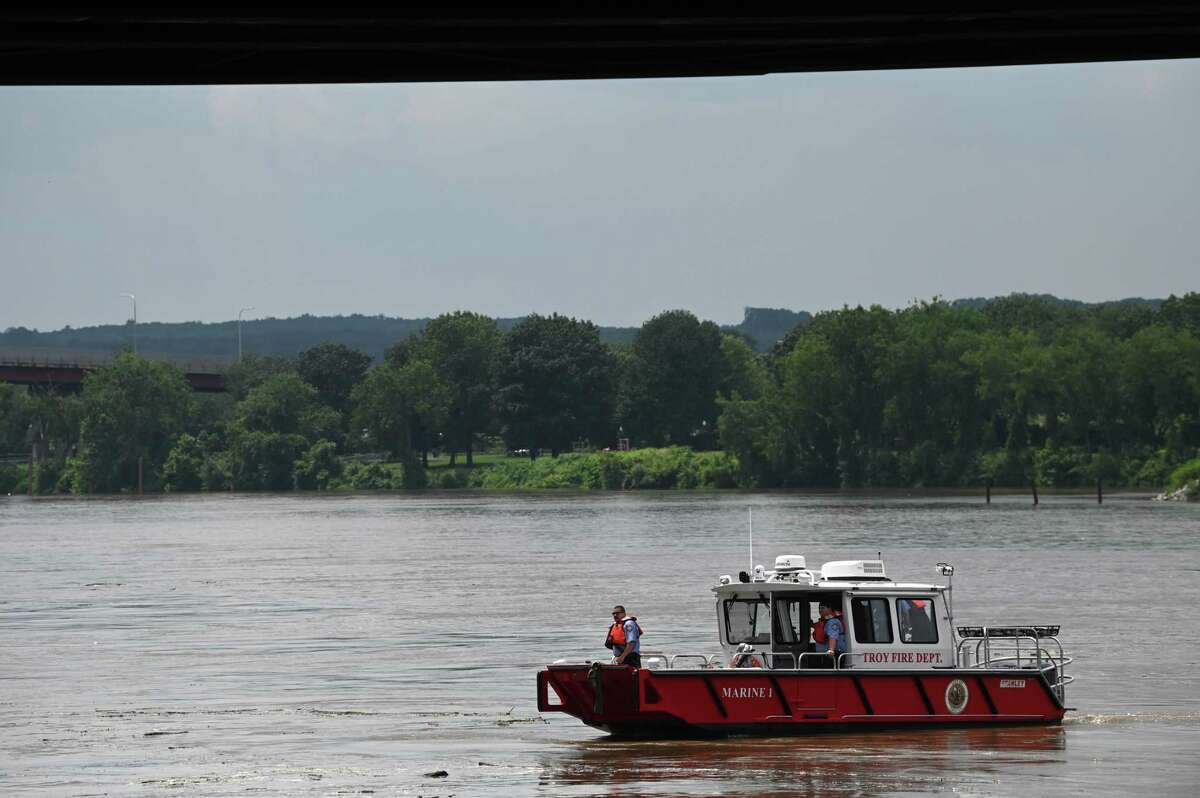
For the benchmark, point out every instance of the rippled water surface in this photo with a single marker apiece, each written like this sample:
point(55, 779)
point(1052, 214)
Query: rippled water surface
point(353, 644)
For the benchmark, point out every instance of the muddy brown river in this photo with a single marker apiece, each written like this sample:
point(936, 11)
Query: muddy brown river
point(351, 645)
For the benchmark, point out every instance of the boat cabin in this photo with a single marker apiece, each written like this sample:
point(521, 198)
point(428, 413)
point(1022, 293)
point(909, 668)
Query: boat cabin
point(766, 619)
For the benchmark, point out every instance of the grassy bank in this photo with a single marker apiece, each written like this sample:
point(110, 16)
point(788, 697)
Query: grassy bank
point(642, 469)
point(1186, 476)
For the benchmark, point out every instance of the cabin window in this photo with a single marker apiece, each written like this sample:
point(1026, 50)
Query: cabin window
point(748, 621)
point(918, 623)
point(872, 620)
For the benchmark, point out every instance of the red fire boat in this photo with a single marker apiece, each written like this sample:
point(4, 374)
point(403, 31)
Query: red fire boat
point(906, 664)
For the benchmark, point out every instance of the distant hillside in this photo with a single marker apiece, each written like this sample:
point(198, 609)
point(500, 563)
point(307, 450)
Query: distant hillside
point(197, 342)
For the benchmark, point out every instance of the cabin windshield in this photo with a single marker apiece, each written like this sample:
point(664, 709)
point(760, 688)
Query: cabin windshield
point(748, 621)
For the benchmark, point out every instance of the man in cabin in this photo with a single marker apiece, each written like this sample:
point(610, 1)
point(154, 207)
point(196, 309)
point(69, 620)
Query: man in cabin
point(832, 629)
point(624, 638)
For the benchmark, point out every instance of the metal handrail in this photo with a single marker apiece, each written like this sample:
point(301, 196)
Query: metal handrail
point(1040, 657)
point(823, 655)
point(704, 659)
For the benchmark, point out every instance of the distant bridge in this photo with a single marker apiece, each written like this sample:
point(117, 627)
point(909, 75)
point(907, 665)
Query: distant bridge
point(68, 374)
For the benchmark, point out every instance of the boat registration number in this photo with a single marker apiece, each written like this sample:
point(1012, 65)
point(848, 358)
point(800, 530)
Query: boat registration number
point(1012, 683)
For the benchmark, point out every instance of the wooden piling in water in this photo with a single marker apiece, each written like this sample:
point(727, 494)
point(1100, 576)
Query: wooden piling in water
point(1035, 496)
point(1099, 491)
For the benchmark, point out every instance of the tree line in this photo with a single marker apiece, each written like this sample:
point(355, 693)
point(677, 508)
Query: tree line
point(276, 337)
point(1019, 391)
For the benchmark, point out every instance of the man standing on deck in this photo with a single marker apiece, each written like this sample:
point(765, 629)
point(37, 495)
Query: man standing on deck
point(625, 639)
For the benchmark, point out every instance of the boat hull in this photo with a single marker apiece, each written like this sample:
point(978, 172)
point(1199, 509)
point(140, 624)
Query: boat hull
point(631, 702)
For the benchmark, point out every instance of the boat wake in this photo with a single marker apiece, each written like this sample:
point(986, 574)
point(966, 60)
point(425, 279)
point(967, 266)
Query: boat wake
point(1116, 719)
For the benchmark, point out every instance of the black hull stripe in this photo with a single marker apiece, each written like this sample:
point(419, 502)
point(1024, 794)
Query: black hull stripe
point(862, 695)
point(712, 691)
point(783, 702)
point(986, 695)
point(924, 695)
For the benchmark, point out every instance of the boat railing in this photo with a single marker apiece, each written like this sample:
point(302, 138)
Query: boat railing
point(705, 661)
point(1019, 647)
point(822, 660)
point(660, 660)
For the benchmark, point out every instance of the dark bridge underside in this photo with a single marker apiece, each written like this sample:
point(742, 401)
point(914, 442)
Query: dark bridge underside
point(69, 376)
point(433, 42)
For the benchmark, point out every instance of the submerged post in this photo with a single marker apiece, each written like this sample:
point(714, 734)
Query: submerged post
point(1099, 491)
point(1033, 483)
point(989, 491)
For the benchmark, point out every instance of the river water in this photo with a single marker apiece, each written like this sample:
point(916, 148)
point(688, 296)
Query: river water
point(350, 645)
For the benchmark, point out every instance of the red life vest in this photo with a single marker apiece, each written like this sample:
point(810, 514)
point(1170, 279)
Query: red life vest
point(616, 632)
point(819, 635)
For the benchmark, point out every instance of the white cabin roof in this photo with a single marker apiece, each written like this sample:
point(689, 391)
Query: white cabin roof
point(839, 586)
point(836, 576)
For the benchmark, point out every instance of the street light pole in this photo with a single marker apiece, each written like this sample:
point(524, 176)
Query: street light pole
point(240, 312)
point(133, 299)
point(141, 454)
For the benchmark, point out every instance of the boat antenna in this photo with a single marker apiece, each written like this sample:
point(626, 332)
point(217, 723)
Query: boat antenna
point(751, 510)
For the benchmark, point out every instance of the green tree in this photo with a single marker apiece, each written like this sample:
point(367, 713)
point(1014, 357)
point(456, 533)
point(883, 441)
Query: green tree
point(285, 403)
point(333, 369)
point(1161, 376)
point(742, 370)
point(1087, 363)
point(250, 372)
point(932, 408)
point(427, 428)
point(1040, 316)
point(265, 460)
point(556, 384)
point(850, 369)
point(53, 431)
point(747, 429)
point(671, 381)
point(812, 419)
point(133, 409)
point(462, 348)
point(1182, 312)
point(184, 468)
point(15, 419)
point(273, 428)
point(393, 402)
point(317, 467)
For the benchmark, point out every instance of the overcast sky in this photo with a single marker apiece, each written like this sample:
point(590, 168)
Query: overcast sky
point(608, 200)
